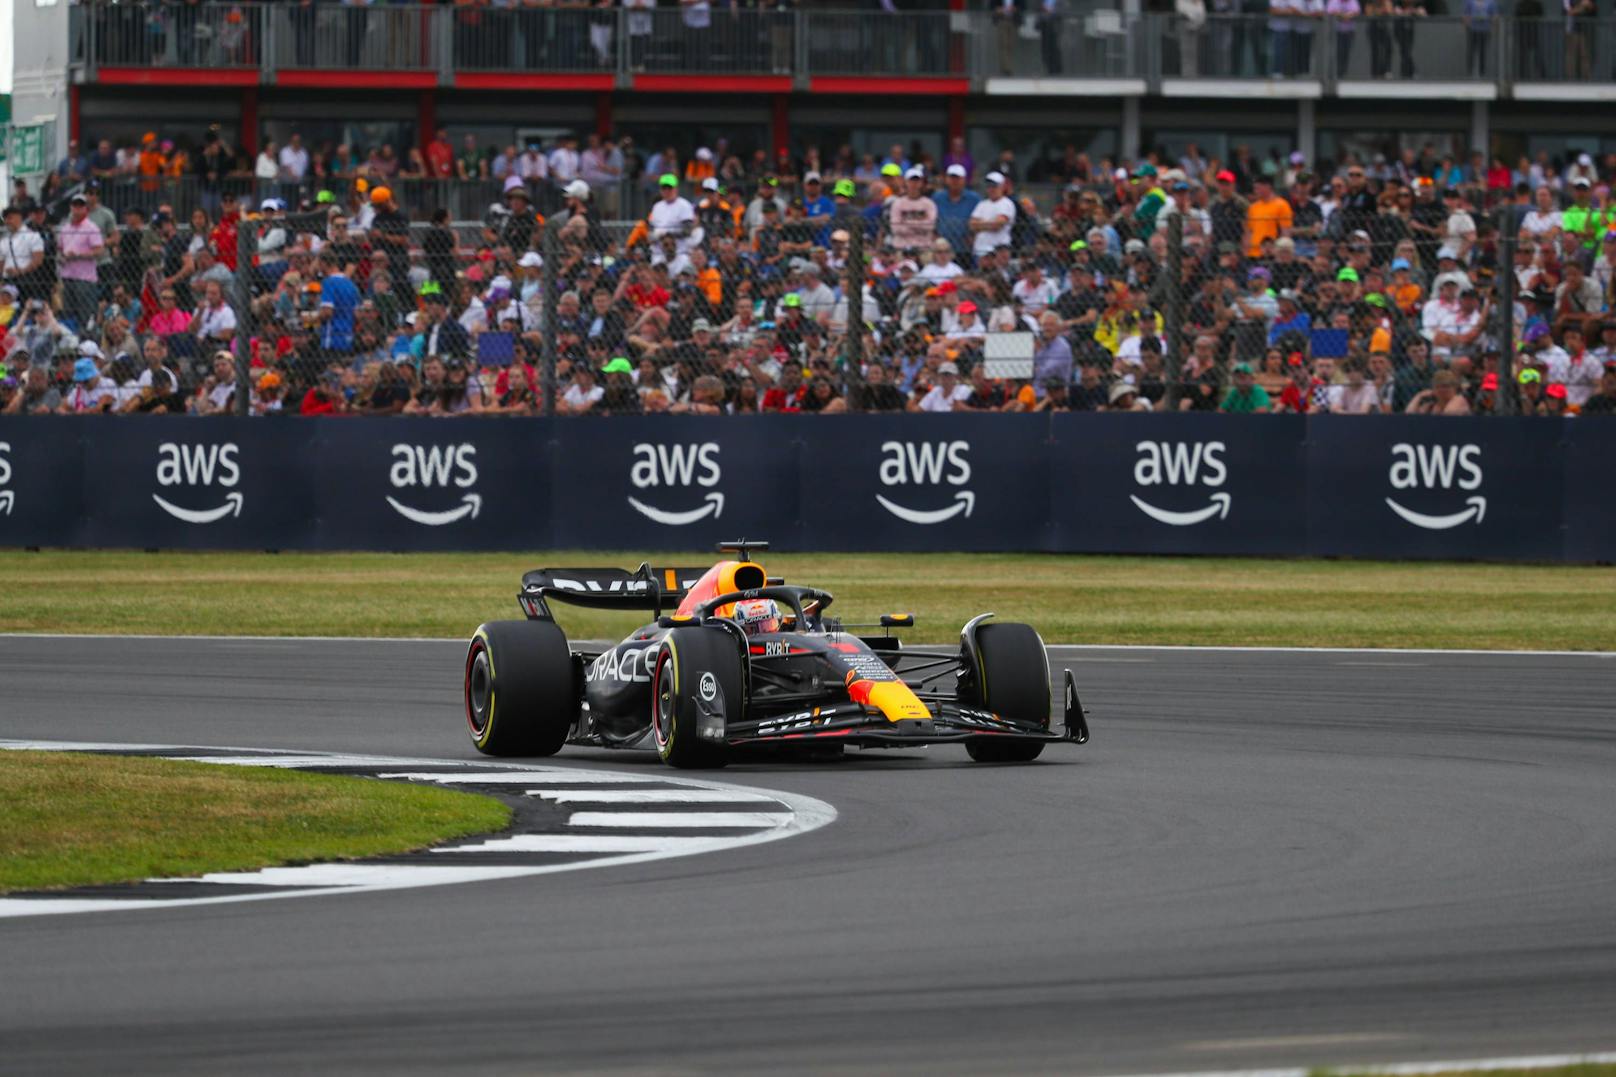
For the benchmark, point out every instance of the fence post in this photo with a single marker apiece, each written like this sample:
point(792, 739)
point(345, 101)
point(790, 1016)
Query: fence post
point(853, 289)
point(547, 280)
point(1173, 315)
point(246, 247)
point(1504, 400)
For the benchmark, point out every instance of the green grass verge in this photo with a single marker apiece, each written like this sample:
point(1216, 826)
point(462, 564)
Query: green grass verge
point(72, 819)
point(1070, 599)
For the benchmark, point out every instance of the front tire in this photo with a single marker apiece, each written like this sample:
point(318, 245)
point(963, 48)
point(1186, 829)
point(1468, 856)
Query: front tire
point(1011, 679)
point(522, 688)
point(697, 671)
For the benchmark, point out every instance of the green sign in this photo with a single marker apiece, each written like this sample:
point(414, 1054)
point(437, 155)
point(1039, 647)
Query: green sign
point(26, 149)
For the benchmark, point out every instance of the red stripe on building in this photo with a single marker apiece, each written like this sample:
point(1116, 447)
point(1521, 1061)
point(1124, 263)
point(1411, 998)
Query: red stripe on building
point(511, 80)
point(714, 83)
point(176, 76)
point(878, 87)
point(357, 80)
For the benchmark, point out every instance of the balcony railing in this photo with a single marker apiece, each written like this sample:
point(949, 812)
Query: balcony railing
point(618, 47)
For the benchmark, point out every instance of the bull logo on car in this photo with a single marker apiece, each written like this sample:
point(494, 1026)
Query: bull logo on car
point(926, 463)
point(1178, 463)
point(428, 466)
point(185, 465)
point(7, 497)
point(1437, 467)
point(677, 467)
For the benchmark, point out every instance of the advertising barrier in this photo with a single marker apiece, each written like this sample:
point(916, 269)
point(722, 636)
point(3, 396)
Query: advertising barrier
point(1374, 487)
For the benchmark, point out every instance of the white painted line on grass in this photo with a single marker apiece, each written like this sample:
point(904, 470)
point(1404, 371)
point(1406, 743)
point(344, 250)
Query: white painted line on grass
point(683, 820)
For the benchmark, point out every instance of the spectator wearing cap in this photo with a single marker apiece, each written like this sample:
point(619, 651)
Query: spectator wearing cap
point(947, 394)
point(22, 253)
point(1529, 390)
point(1228, 211)
point(1181, 203)
point(993, 217)
point(673, 215)
point(91, 394)
point(1459, 230)
point(1290, 318)
point(156, 391)
point(442, 336)
point(390, 231)
point(818, 208)
point(956, 204)
point(1245, 396)
point(940, 265)
point(1151, 197)
point(80, 246)
point(911, 215)
point(969, 329)
point(1582, 218)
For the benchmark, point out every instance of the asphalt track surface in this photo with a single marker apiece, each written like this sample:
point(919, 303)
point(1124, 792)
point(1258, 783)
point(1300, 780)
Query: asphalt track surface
point(1262, 859)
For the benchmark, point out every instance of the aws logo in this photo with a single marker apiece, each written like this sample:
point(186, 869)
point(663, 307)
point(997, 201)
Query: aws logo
point(927, 463)
point(1437, 467)
point(677, 466)
point(1177, 463)
point(435, 465)
point(182, 465)
point(7, 497)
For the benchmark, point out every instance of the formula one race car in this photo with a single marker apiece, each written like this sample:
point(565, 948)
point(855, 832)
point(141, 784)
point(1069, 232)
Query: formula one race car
point(745, 661)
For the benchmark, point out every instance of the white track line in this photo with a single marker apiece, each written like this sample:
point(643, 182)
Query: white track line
point(800, 814)
point(682, 820)
point(643, 796)
point(1411, 1069)
point(585, 843)
point(546, 776)
point(1052, 646)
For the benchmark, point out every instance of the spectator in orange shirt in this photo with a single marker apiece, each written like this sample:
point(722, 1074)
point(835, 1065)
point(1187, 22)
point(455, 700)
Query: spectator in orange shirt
point(1268, 216)
point(700, 167)
point(1404, 292)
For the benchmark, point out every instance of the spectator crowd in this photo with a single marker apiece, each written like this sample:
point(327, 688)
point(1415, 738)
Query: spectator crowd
point(811, 283)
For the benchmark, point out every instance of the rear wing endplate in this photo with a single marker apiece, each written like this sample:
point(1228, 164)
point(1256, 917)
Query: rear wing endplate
point(644, 588)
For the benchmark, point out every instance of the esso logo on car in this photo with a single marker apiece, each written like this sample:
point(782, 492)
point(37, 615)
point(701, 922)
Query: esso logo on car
point(926, 463)
point(1182, 463)
point(1437, 468)
point(429, 466)
point(677, 467)
point(184, 466)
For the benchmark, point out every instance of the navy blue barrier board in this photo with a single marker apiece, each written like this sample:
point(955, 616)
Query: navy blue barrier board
point(1590, 490)
point(41, 481)
point(431, 484)
point(923, 482)
point(679, 482)
point(1383, 487)
point(1409, 486)
point(1124, 483)
point(208, 483)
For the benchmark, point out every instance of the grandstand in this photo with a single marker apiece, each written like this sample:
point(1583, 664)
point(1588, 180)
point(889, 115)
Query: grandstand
point(474, 208)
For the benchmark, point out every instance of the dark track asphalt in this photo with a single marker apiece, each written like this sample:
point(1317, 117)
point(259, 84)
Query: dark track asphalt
point(1262, 859)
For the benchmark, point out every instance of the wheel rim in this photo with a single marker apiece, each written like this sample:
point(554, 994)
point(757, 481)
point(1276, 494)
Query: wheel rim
point(479, 689)
point(662, 703)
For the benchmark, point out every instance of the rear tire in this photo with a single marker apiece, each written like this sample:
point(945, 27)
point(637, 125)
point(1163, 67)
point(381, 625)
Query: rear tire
point(696, 669)
point(1011, 680)
point(522, 688)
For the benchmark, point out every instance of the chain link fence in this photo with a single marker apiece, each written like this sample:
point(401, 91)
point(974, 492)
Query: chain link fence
point(1158, 292)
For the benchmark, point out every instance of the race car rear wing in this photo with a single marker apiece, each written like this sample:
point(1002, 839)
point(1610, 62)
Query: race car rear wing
point(644, 588)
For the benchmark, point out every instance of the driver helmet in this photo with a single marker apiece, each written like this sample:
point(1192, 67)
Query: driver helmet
point(757, 615)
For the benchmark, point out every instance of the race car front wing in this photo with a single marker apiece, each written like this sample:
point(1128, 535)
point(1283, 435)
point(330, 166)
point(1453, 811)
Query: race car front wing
point(950, 723)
